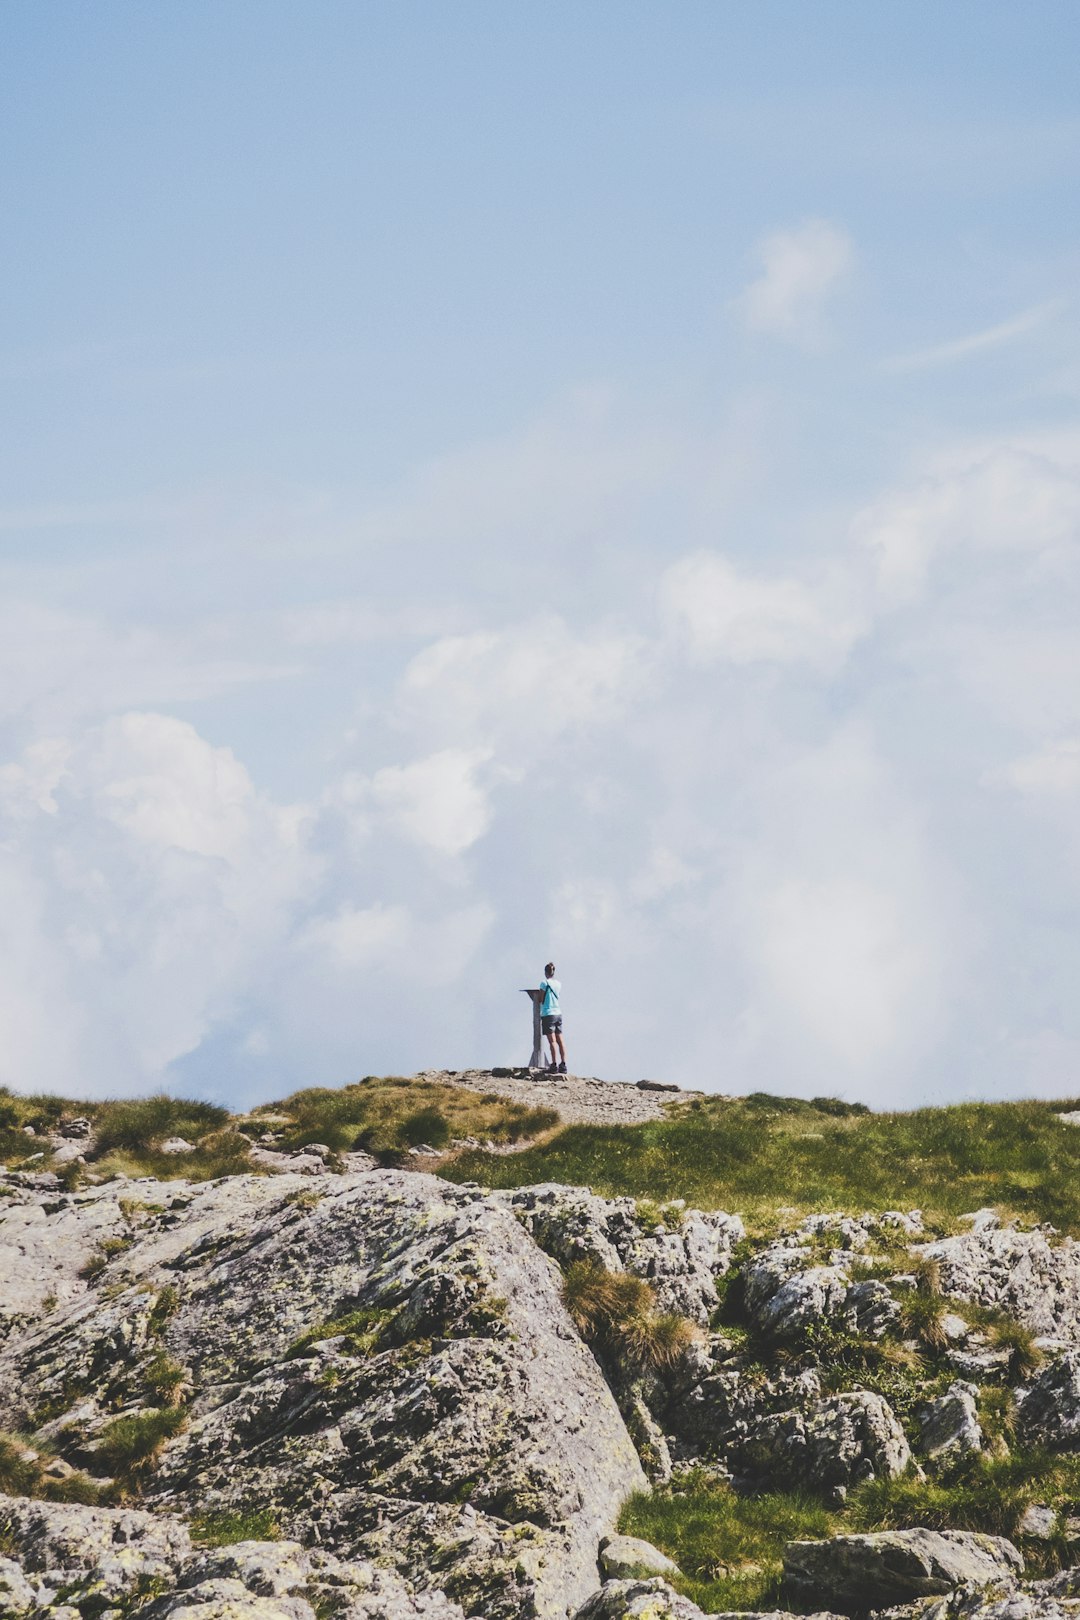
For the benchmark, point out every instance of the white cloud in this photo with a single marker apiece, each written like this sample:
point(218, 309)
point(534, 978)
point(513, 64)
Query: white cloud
point(991, 337)
point(390, 941)
point(152, 882)
point(1020, 495)
point(359, 937)
point(438, 801)
point(57, 666)
point(723, 613)
point(522, 686)
point(849, 919)
point(801, 268)
point(1052, 772)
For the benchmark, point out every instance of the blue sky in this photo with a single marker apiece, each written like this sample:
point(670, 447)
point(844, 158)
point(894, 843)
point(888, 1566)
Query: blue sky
point(480, 483)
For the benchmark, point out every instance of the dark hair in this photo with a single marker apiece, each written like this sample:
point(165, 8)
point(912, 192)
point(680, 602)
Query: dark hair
point(549, 967)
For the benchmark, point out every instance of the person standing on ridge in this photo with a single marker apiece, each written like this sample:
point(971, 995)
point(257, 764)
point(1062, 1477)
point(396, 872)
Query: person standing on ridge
point(551, 1019)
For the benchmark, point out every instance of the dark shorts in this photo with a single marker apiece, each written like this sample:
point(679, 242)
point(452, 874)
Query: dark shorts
point(552, 1025)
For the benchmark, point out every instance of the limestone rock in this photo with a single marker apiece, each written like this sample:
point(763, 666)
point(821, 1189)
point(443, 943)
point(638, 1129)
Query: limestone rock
point(459, 1433)
point(950, 1423)
point(715, 1405)
point(1025, 1273)
point(1065, 1584)
point(789, 1291)
point(1050, 1413)
point(681, 1262)
point(895, 1566)
point(629, 1558)
point(1036, 1603)
point(839, 1442)
point(638, 1600)
point(104, 1554)
point(16, 1593)
point(785, 1296)
point(1039, 1522)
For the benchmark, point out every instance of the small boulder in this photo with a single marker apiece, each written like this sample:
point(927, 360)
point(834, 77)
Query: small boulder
point(874, 1571)
point(176, 1144)
point(1039, 1522)
point(1050, 1414)
point(784, 1299)
point(950, 1423)
point(625, 1558)
point(638, 1600)
point(844, 1439)
point(16, 1593)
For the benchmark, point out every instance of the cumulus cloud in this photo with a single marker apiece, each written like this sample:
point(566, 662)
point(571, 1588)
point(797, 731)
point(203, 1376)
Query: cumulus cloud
point(721, 612)
point(801, 269)
point(148, 881)
point(1019, 495)
point(1050, 773)
point(756, 800)
point(439, 801)
point(524, 686)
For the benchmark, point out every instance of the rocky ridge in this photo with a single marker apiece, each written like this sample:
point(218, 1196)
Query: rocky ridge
point(370, 1385)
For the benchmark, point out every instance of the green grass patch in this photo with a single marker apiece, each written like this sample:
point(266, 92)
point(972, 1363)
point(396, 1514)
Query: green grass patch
point(130, 1446)
point(224, 1527)
point(164, 1379)
point(139, 1125)
point(387, 1116)
point(762, 1156)
point(361, 1331)
point(730, 1548)
point(980, 1492)
point(24, 1472)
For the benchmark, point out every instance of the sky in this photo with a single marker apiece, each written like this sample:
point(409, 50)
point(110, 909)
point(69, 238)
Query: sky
point(482, 484)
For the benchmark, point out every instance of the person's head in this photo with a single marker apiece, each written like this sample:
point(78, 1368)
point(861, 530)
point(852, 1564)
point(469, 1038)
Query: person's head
point(549, 968)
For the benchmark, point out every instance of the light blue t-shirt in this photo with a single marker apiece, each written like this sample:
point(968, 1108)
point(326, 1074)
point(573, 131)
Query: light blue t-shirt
point(550, 1006)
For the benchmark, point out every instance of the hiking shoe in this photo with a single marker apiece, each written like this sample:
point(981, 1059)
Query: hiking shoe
point(553, 1068)
point(561, 1069)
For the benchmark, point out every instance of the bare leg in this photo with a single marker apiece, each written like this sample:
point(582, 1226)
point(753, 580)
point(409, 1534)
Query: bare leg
point(562, 1048)
point(551, 1043)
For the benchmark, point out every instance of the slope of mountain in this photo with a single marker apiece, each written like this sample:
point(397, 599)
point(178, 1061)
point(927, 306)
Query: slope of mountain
point(379, 1353)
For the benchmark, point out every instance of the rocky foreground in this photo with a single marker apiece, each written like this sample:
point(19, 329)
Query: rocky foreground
point(364, 1397)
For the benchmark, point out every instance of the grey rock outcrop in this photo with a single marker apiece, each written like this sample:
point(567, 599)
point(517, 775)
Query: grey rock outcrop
point(894, 1566)
point(784, 1294)
point(787, 1294)
point(1038, 1602)
point(106, 1554)
point(1050, 1413)
point(638, 1600)
point(1034, 1276)
point(838, 1442)
point(85, 1561)
point(455, 1430)
point(681, 1257)
point(950, 1423)
point(656, 1600)
point(625, 1558)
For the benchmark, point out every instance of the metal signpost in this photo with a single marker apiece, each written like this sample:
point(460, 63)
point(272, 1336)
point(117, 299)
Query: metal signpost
point(537, 1059)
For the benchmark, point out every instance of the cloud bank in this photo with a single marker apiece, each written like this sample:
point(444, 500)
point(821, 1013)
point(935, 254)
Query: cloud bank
point(758, 812)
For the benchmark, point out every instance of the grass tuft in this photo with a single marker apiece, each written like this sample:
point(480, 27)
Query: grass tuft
point(24, 1472)
point(224, 1527)
point(131, 1445)
point(617, 1313)
point(360, 1329)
